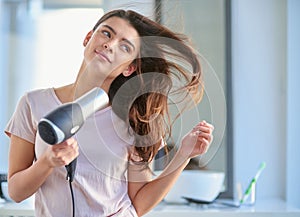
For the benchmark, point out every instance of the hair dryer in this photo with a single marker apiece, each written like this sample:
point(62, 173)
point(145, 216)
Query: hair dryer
point(64, 121)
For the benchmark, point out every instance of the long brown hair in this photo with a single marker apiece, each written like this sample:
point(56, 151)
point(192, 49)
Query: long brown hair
point(142, 98)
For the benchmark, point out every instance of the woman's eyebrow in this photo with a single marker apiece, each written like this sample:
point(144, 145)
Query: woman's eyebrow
point(110, 28)
point(124, 39)
point(129, 42)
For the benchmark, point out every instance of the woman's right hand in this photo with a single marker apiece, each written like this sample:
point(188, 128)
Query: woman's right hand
point(26, 174)
point(62, 154)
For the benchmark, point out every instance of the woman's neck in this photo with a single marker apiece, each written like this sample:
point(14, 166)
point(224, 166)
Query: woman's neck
point(84, 82)
point(65, 94)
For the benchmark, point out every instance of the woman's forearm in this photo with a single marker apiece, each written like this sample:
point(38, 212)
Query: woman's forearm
point(194, 143)
point(154, 191)
point(25, 183)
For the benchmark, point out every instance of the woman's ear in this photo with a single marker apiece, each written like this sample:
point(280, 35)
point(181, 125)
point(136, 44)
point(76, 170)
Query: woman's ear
point(88, 37)
point(130, 69)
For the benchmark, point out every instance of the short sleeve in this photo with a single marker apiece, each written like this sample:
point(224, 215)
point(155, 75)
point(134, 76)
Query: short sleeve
point(139, 171)
point(21, 122)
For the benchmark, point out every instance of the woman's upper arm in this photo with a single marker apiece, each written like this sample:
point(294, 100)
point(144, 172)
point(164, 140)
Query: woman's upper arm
point(138, 176)
point(21, 155)
point(138, 173)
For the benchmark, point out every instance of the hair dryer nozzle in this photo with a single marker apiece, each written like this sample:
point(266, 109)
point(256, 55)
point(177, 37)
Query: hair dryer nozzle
point(61, 123)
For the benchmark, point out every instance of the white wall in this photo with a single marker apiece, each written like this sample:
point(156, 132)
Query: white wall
point(293, 103)
point(259, 55)
point(3, 89)
point(17, 45)
point(259, 70)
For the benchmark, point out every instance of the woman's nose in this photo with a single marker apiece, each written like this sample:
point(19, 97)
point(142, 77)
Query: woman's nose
point(107, 46)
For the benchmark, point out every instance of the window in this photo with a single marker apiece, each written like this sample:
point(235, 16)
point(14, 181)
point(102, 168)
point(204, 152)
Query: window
point(59, 48)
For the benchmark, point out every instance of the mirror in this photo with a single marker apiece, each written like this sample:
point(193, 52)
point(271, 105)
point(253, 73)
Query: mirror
point(206, 23)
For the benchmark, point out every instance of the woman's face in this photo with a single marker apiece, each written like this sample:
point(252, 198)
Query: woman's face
point(111, 49)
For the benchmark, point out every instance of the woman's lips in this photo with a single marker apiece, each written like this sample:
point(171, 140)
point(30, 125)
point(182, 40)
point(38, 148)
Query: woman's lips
point(103, 55)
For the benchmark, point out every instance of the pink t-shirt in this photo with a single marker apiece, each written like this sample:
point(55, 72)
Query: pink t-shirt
point(100, 183)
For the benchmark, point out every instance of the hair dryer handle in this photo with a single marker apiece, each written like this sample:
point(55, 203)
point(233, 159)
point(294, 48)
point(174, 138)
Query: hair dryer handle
point(71, 167)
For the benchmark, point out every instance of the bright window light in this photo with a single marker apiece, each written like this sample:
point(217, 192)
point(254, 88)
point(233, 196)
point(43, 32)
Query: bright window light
point(59, 48)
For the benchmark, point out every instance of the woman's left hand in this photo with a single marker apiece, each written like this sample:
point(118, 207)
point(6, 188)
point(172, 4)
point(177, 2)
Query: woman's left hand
point(197, 141)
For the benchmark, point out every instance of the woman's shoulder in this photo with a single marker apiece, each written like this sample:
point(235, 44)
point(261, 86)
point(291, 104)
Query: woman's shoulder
point(38, 93)
point(41, 97)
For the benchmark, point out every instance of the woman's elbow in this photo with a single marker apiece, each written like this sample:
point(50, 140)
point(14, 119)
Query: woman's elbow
point(140, 210)
point(139, 213)
point(14, 193)
point(14, 197)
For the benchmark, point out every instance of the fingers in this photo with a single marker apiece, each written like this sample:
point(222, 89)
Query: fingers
point(204, 131)
point(198, 140)
point(205, 127)
point(205, 137)
point(64, 153)
point(203, 145)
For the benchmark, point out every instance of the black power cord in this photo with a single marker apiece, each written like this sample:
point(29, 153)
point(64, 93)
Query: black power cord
point(73, 200)
point(70, 177)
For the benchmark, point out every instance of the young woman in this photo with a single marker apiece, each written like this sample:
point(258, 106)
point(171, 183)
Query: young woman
point(136, 61)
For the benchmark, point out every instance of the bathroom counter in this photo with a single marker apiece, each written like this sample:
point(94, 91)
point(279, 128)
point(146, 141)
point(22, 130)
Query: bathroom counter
point(11, 209)
point(262, 208)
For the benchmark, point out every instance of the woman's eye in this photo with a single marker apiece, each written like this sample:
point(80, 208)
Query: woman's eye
point(125, 48)
point(106, 33)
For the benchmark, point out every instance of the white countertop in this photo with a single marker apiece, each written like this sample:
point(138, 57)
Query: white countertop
point(23, 209)
point(262, 208)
